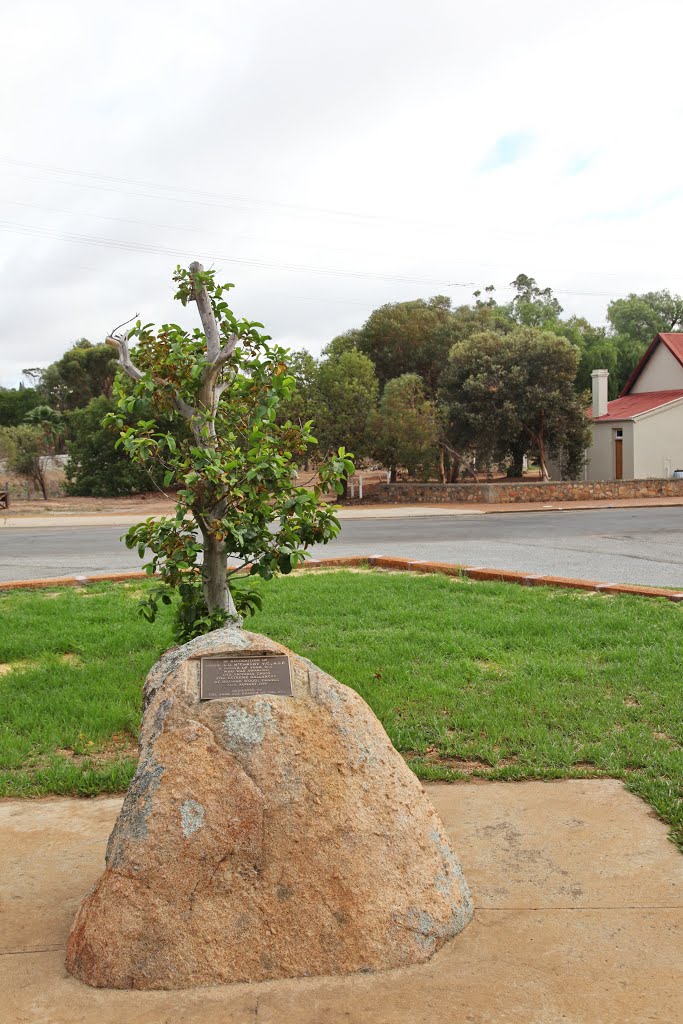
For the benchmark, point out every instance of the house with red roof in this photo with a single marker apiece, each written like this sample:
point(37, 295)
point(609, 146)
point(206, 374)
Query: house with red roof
point(639, 435)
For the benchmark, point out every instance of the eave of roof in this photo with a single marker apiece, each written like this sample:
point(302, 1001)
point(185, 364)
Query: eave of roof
point(674, 343)
point(628, 407)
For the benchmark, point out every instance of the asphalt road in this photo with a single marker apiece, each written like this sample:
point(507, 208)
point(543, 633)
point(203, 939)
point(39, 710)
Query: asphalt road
point(628, 545)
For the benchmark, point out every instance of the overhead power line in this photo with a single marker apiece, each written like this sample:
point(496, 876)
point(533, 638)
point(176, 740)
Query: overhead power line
point(157, 250)
point(228, 201)
point(221, 197)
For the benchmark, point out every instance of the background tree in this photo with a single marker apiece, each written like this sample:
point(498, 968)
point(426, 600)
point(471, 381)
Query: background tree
point(345, 397)
point(15, 403)
point(532, 306)
point(299, 408)
point(51, 423)
point(232, 462)
point(406, 426)
point(97, 465)
point(634, 321)
point(409, 337)
point(596, 350)
point(345, 342)
point(643, 316)
point(481, 421)
point(82, 373)
point(504, 394)
point(540, 387)
point(26, 450)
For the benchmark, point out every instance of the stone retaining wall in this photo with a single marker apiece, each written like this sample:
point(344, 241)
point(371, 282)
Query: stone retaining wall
point(551, 491)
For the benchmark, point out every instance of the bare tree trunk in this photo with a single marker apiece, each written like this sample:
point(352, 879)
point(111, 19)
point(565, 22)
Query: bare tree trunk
point(215, 577)
point(543, 469)
point(39, 476)
point(392, 474)
point(442, 467)
point(516, 467)
point(458, 462)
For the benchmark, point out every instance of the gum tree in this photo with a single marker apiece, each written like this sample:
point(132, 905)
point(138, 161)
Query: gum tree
point(233, 463)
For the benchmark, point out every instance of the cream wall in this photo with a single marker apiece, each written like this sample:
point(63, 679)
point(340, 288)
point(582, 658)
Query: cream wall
point(662, 372)
point(659, 442)
point(652, 446)
point(601, 461)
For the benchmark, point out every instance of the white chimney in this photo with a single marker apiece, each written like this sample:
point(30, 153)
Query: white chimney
point(599, 379)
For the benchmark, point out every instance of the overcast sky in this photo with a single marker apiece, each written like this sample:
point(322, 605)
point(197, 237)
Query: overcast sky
point(330, 157)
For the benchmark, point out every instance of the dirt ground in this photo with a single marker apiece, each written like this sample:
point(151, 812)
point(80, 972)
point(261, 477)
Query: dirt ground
point(26, 500)
point(152, 503)
point(142, 504)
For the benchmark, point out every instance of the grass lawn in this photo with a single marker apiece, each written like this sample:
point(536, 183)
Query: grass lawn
point(487, 679)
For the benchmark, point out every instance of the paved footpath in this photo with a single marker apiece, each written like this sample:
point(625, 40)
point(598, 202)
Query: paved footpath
point(579, 919)
point(351, 512)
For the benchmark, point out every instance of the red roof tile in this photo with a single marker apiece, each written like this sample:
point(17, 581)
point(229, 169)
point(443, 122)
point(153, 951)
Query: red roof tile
point(633, 405)
point(674, 343)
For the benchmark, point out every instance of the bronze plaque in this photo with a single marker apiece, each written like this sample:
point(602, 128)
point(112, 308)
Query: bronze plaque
point(246, 675)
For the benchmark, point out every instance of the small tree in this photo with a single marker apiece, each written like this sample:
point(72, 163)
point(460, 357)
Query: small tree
point(26, 450)
point(233, 463)
point(96, 465)
point(51, 423)
point(541, 389)
point(406, 426)
point(345, 394)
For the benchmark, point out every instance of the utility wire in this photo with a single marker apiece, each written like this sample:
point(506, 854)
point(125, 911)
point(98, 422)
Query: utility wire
point(143, 247)
point(250, 200)
point(157, 250)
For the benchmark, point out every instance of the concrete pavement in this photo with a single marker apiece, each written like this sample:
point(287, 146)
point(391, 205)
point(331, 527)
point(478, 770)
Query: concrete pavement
point(130, 519)
point(354, 512)
point(579, 908)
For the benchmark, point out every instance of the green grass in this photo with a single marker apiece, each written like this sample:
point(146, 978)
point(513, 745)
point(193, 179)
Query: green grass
point(494, 680)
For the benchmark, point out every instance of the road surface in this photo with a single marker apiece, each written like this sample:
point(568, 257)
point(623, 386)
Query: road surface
point(627, 545)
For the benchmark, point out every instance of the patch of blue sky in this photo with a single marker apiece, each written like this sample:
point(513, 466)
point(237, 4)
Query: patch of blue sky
point(638, 209)
point(508, 149)
point(578, 164)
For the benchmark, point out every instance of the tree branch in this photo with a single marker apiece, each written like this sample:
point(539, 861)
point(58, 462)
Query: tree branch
point(461, 458)
point(183, 408)
point(206, 314)
point(209, 393)
point(121, 346)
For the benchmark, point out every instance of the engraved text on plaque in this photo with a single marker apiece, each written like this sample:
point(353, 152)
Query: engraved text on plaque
point(247, 675)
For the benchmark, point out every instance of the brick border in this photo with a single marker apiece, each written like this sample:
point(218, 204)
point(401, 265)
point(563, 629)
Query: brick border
point(397, 565)
point(72, 581)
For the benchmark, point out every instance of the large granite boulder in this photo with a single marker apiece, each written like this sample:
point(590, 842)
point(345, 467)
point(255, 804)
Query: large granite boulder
point(265, 837)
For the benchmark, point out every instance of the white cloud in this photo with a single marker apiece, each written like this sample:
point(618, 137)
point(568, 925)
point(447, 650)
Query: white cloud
point(291, 112)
